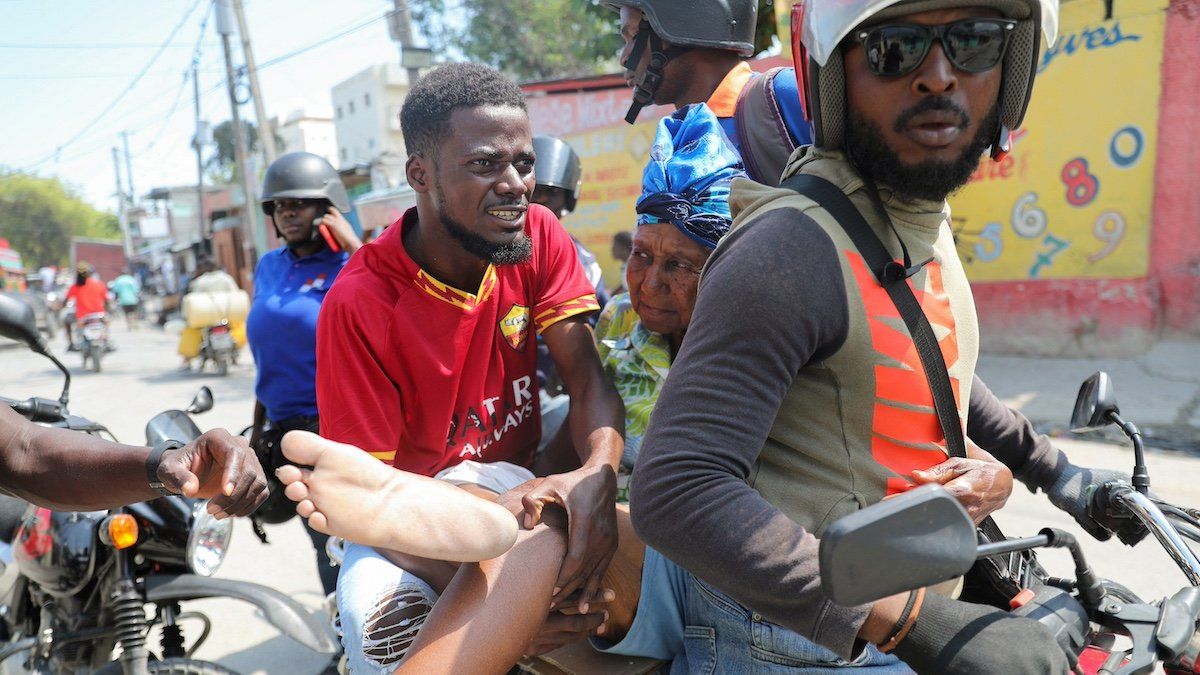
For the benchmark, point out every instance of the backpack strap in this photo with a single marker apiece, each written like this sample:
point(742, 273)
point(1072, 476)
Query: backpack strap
point(764, 141)
point(891, 275)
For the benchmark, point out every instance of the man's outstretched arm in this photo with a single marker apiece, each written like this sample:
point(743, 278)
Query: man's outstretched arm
point(68, 470)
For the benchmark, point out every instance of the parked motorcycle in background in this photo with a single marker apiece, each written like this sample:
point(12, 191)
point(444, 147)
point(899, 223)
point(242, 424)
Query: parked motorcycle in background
point(83, 579)
point(924, 537)
point(93, 339)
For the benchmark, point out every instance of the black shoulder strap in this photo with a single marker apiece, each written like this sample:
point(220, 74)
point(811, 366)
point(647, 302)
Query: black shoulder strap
point(891, 275)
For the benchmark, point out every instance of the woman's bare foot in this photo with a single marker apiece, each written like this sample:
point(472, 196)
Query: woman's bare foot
point(352, 495)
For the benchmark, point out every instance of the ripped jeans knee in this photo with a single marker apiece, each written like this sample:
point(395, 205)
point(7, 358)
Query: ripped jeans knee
point(382, 608)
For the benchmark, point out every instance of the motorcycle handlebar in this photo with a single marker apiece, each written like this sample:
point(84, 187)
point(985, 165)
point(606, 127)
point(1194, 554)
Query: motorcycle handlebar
point(1144, 509)
point(36, 409)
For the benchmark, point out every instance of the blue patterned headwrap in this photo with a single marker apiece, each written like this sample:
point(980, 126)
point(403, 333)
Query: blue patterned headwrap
point(687, 180)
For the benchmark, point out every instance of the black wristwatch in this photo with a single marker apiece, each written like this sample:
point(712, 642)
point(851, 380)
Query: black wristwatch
point(152, 462)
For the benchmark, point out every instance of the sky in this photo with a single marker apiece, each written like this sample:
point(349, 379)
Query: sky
point(63, 62)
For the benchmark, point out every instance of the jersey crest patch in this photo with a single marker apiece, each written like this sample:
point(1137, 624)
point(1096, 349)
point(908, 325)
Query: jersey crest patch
point(515, 326)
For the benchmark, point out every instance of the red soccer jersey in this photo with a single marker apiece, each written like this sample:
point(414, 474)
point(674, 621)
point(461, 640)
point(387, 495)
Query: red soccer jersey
point(423, 375)
point(90, 298)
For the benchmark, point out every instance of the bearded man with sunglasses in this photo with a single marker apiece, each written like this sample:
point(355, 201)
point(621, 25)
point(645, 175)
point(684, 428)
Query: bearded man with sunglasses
point(794, 331)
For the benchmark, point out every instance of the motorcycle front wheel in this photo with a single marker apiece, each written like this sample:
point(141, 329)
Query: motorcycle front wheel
point(173, 667)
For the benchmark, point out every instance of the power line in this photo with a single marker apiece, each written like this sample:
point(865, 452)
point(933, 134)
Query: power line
point(78, 45)
point(354, 28)
point(297, 52)
point(137, 78)
point(197, 50)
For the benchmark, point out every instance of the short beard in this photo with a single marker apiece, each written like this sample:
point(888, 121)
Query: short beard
point(930, 179)
point(515, 252)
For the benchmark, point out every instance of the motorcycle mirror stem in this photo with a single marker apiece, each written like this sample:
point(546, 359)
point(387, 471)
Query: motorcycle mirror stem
point(66, 390)
point(1141, 475)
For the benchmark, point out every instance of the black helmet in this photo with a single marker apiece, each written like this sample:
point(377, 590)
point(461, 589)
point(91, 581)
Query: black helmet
point(710, 24)
point(557, 166)
point(303, 175)
point(277, 508)
point(671, 27)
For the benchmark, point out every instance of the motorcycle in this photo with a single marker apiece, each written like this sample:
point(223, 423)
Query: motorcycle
point(93, 339)
point(84, 578)
point(924, 537)
point(217, 345)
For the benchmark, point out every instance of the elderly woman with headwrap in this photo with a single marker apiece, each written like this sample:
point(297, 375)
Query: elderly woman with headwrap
point(682, 214)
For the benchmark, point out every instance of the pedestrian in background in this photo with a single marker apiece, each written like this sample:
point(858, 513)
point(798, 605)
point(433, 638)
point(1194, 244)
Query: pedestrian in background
point(126, 287)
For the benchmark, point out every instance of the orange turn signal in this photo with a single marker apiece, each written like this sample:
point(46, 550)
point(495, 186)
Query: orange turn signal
point(122, 531)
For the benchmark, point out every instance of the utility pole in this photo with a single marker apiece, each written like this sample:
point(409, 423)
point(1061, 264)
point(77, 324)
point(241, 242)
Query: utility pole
point(401, 29)
point(197, 145)
point(225, 28)
point(266, 135)
point(128, 167)
point(122, 216)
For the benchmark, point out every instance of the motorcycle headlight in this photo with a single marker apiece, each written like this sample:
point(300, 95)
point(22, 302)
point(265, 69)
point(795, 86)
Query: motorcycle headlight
point(208, 540)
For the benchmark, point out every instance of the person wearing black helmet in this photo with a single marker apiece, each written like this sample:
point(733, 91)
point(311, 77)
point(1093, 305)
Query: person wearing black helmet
point(305, 199)
point(680, 52)
point(838, 405)
point(559, 180)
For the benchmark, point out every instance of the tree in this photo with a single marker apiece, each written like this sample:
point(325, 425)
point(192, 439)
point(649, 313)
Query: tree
point(221, 166)
point(39, 216)
point(541, 39)
point(528, 39)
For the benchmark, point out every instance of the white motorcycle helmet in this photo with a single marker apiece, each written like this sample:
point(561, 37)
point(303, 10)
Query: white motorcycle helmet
point(819, 26)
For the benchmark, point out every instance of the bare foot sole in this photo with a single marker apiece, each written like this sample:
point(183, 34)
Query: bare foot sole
point(352, 495)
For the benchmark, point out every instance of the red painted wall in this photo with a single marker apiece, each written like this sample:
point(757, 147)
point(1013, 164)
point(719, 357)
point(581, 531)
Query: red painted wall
point(1175, 237)
point(1125, 316)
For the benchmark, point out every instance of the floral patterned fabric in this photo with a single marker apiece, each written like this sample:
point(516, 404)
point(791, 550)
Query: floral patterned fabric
point(637, 360)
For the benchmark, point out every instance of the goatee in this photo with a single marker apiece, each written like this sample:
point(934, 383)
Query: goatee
point(931, 179)
point(516, 251)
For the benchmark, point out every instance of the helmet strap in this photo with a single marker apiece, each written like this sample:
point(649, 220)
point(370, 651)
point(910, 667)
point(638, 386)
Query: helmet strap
point(1002, 145)
point(644, 90)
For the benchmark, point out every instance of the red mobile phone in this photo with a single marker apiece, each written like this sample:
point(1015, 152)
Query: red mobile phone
point(330, 240)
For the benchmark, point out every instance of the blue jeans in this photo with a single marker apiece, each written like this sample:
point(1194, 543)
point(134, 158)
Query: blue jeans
point(381, 608)
point(722, 636)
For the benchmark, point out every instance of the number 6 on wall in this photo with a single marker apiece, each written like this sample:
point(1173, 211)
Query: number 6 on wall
point(1028, 220)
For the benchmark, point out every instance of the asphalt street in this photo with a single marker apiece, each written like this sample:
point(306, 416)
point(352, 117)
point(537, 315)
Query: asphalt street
point(143, 378)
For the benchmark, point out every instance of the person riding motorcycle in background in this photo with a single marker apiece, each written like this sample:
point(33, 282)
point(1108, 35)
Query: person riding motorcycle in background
point(221, 288)
point(90, 296)
point(302, 194)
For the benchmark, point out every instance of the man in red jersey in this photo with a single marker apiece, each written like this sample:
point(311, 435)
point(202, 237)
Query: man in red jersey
point(426, 356)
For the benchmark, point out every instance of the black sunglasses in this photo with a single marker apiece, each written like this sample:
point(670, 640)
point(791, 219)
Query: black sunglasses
point(973, 45)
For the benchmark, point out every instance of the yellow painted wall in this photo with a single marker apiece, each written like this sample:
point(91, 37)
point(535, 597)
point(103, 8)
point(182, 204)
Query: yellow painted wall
point(1074, 198)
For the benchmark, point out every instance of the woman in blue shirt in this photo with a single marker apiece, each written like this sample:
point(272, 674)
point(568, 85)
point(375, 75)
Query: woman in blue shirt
point(305, 199)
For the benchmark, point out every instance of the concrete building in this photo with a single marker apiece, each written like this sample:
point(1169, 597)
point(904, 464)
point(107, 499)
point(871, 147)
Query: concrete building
point(309, 130)
point(366, 114)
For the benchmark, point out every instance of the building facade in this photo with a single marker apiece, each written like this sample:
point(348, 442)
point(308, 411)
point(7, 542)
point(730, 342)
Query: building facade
point(366, 115)
point(309, 130)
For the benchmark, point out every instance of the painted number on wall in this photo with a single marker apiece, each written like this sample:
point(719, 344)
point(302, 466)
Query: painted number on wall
point(1082, 187)
point(1110, 229)
point(1028, 220)
point(1126, 146)
point(1051, 247)
point(990, 246)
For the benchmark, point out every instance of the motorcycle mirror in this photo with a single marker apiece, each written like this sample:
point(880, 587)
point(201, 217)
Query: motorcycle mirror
point(915, 539)
point(1095, 404)
point(202, 402)
point(17, 322)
